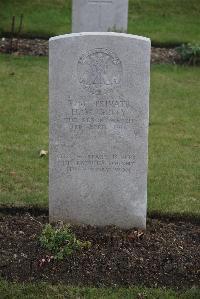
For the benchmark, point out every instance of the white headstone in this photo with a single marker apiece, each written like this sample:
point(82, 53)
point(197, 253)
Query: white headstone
point(99, 15)
point(99, 107)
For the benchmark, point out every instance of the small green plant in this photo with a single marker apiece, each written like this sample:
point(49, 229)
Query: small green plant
point(61, 241)
point(190, 53)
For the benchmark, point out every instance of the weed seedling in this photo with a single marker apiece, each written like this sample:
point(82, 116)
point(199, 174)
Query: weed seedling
point(61, 241)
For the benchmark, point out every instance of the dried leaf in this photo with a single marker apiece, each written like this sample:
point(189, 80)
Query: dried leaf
point(43, 153)
point(140, 233)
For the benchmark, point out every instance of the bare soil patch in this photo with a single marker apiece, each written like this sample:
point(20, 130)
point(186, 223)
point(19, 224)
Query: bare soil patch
point(167, 254)
point(39, 47)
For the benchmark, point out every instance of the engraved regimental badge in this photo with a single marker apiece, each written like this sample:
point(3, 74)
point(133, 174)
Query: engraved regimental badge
point(99, 71)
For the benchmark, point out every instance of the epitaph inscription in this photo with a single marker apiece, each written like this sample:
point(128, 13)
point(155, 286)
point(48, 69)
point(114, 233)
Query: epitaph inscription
point(100, 163)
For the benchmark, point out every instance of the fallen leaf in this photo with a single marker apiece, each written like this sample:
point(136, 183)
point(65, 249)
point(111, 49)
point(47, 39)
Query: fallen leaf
point(43, 153)
point(140, 234)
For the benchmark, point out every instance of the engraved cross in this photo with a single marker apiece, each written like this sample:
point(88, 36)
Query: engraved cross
point(101, 4)
point(99, 68)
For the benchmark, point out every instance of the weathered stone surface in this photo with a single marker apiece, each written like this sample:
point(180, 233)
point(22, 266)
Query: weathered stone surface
point(99, 15)
point(99, 106)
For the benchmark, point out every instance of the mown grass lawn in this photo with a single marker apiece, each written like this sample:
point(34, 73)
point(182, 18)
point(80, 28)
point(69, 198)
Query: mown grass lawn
point(24, 130)
point(164, 21)
point(43, 290)
point(174, 162)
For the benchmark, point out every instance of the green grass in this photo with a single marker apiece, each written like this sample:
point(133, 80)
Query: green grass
point(23, 130)
point(164, 21)
point(41, 18)
point(43, 290)
point(174, 162)
point(174, 147)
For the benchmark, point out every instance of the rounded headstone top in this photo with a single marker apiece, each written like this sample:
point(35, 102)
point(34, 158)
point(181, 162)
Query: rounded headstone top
point(113, 34)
